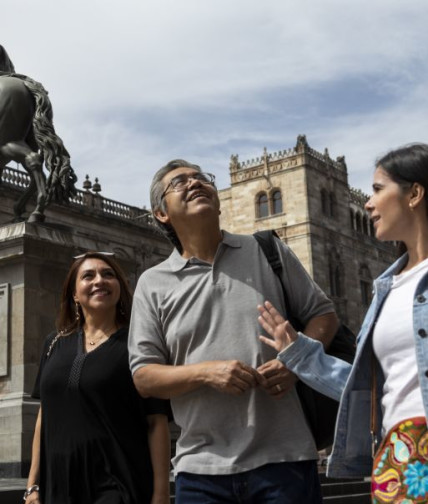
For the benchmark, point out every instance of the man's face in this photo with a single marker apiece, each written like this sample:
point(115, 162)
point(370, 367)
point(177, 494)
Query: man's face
point(190, 198)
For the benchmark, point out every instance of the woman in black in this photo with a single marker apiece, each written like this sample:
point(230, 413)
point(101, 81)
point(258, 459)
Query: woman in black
point(96, 440)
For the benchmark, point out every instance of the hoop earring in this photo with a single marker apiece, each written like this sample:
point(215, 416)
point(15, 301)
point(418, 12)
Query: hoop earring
point(77, 312)
point(121, 309)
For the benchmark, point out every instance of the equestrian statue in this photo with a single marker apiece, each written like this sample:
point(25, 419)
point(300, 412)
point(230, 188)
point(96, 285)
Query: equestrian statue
point(27, 136)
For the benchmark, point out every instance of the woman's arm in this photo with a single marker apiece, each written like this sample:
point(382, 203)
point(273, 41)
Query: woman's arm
point(33, 476)
point(160, 455)
point(302, 355)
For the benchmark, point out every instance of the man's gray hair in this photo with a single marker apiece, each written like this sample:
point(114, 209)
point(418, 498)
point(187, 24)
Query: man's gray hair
point(158, 203)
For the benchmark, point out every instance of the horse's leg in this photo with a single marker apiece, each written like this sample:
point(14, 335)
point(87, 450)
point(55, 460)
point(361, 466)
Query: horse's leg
point(20, 152)
point(6, 155)
point(34, 164)
point(19, 206)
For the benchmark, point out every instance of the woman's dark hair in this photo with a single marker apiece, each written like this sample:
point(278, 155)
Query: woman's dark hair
point(67, 322)
point(407, 165)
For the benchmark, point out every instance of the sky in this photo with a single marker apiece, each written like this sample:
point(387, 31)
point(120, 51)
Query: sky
point(137, 83)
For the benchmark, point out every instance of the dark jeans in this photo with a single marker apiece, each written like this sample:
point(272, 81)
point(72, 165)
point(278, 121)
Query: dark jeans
point(283, 483)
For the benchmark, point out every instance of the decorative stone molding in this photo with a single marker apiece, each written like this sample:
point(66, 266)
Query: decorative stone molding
point(358, 197)
point(21, 180)
point(269, 163)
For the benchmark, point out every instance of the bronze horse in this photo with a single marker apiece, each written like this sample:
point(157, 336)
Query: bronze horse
point(27, 136)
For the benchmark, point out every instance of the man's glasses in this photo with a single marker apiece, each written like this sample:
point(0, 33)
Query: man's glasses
point(180, 182)
point(91, 253)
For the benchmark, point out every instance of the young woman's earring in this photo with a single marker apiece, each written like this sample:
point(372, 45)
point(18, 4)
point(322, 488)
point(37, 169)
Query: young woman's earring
point(77, 312)
point(121, 310)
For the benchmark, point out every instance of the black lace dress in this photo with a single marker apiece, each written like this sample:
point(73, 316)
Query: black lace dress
point(94, 446)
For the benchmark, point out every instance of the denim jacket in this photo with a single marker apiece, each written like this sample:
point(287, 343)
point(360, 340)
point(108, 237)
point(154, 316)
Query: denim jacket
point(352, 449)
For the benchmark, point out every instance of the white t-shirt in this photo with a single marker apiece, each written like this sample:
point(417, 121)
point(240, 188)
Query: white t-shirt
point(394, 347)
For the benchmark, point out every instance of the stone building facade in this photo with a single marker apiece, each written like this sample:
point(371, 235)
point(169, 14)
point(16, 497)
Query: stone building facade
point(305, 196)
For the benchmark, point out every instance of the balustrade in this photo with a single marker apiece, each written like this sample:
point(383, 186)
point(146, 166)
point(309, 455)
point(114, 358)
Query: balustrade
point(21, 180)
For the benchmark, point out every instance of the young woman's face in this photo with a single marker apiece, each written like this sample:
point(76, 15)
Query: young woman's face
point(97, 286)
point(389, 208)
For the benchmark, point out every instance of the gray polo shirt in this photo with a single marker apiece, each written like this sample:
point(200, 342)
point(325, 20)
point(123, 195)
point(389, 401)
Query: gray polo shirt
point(187, 311)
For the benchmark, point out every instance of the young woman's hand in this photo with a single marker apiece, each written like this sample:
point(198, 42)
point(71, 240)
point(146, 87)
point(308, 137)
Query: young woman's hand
point(33, 498)
point(282, 332)
point(160, 498)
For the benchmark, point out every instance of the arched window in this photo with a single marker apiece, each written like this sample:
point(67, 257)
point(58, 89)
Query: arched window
point(325, 203)
point(358, 224)
point(276, 202)
point(333, 205)
point(335, 274)
point(262, 206)
point(335, 280)
point(365, 225)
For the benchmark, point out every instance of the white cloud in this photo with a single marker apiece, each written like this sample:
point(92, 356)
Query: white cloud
point(136, 83)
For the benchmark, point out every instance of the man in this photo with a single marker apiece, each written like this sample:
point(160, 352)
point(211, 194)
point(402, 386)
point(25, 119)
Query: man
point(194, 340)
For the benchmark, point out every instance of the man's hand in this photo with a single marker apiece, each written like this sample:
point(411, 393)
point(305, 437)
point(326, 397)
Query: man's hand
point(231, 376)
point(278, 379)
point(282, 332)
point(166, 381)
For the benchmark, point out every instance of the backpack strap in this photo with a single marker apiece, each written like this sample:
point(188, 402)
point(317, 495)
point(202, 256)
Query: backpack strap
point(266, 240)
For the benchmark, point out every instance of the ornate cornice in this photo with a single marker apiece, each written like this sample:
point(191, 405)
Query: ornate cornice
point(270, 163)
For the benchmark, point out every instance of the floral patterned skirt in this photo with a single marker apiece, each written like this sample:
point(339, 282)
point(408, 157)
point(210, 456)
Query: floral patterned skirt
point(400, 467)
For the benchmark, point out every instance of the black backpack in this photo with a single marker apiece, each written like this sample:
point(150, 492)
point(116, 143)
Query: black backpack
point(320, 410)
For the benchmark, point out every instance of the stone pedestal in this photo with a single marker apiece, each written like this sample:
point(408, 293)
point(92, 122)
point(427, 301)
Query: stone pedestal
point(34, 260)
point(33, 264)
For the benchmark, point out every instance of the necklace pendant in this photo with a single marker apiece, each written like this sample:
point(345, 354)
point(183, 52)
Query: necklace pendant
point(92, 343)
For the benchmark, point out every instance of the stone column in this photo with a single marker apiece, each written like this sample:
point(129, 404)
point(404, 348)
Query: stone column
point(33, 262)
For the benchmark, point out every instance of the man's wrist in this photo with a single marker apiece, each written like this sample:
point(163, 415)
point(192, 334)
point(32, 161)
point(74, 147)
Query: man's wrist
point(201, 373)
point(30, 490)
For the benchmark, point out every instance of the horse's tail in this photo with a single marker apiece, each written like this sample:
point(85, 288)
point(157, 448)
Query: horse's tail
point(61, 179)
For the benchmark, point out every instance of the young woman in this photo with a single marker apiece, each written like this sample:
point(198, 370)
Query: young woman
point(96, 440)
point(386, 389)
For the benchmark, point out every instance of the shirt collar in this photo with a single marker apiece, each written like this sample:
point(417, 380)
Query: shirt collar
point(177, 262)
point(384, 281)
